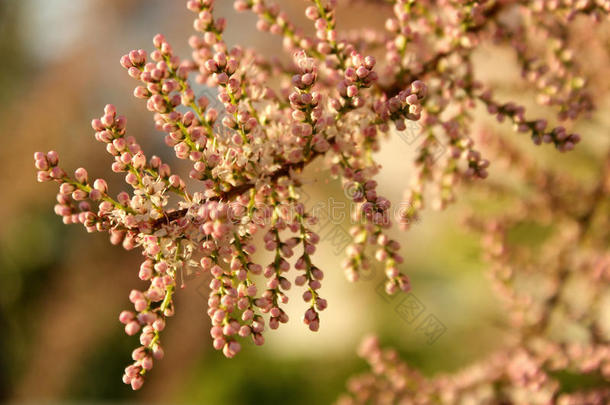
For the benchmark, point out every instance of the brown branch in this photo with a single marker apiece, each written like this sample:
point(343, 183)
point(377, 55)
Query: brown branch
point(243, 188)
point(431, 64)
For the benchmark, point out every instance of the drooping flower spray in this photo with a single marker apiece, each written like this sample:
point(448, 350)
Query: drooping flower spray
point(334, 102)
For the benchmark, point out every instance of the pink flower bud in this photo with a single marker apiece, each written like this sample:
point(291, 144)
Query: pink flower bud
point(81, 175)
point(132, 328)
point(159, 325)
point(126, 62)
point(219, 343)
point(43, 176)
point(137, 382)
point(138, 353)
point(126, 316)
point(137, 57)
point(300, 280)
point(158, 352)
point(314, 325)
point(307, 296)
point(138, 160)
point(100, 185)
point(52, 158)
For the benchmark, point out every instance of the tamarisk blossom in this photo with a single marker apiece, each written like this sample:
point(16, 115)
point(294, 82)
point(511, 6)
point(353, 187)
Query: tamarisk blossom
point(248, 174)
point(542, 284)
point(335, 100)
point(434, 42)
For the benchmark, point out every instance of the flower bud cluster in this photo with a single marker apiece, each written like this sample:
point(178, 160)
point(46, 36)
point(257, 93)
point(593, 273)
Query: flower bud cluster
point(359, 75)
point(373, 211)
point(272, 19)
point(404, 105)
point(73, 193)
point(164, 87)
point(557, 76)
point(567, 10)
point(308, 111)
point(574, 256)
point(165, 258)
point(332, 100)
point(559, 136)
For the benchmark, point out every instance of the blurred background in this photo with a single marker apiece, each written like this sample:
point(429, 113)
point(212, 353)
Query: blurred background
point(61, 290)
